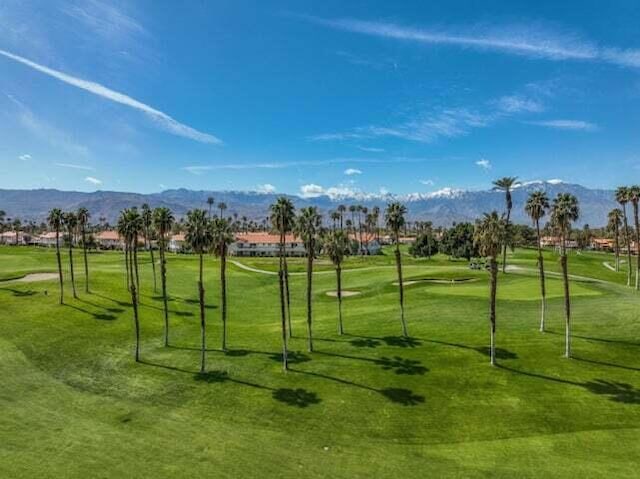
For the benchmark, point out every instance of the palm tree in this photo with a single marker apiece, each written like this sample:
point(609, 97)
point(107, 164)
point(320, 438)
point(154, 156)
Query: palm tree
point(335, 218)
point(198, 237)
point(634, 196)
point(71, 222)
point(564, 212)
point(622, 197)
point(147, 232)
point(506, 184)
point(17, 224)
point(282, 214)
point(55, 222)
point(536, 207)
point(336, 247)
point(614, 223)
point(210, 202)
point(163, 221)
point(488, 237)
point(129, 228)
point(222, 206)
point(83, 221)
point(307, 228)
point(341, 209)
point(394, 217)
point(222, 237)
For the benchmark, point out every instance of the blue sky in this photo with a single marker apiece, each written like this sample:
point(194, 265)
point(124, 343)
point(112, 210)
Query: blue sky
point(317, 97)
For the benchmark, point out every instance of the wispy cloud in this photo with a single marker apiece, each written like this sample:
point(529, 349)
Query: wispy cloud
point(484, 164)
point(103, 19)
point(75, 167)
point(352, 171)
point(163, 120)
point(532, 40)
point(370, 149)
point(92, 180)
point(577, 125)
point(25, 157)
point(518, 104)
point(427, 182)
point(266, 188)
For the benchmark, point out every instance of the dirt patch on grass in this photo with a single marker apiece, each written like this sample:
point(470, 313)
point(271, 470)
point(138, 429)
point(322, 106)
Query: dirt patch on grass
point(32, 278)
point(436, 281)
point(345, 293)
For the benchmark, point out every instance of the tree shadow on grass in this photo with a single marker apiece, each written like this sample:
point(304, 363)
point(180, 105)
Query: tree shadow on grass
point(365, 343)
point(298, 397)
point(402, 365)
point(601, 340)
point(402, 341)
point(603, 363)
point(197, 302)
point(98, 316)
point(293, 357)
point(501, 353)
point(20, 294)
point(99, 306)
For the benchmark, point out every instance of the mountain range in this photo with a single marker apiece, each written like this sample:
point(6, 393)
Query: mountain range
point(442, 207)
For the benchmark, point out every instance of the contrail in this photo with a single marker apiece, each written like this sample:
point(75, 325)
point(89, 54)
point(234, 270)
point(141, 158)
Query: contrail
point(164, 120)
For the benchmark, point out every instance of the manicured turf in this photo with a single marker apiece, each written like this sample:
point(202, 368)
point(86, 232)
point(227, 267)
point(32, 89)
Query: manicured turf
point(367, 404)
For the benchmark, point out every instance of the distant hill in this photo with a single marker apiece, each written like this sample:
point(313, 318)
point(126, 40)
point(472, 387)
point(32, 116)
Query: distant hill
point(443, 207)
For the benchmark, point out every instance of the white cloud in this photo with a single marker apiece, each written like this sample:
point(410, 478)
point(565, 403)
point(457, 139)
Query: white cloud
point(103, 19)
point(484, 164)
point(162, 119)
point(427, 182)
point(25, 157)
point(518, 103)
point(566, 124)
point(92, 180)
point(352, 171)
point(311, 190)
point(266, 188)
point(370, 149)
point(533, 41)
point(75, 167)
point(336, 136)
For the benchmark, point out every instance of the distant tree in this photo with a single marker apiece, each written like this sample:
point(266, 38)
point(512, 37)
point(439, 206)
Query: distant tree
point(395, 219)
point(222, 206)
point(307, 227)
point(457, 242)
point(564, 212)
point(342, 209)
point(163, 220)
point(622, 197)
point(614, 222)
point(147, 232)
point(336, 247)
point(335, 218)
point(83, 221)
point(488, 237)
point(56, 222)
point(282, 218)
point(424, 245)
point(506, 184)
point(199, 239)
point(536, 207)
point(634, 197)
point(71, 223)
point(210, 202)
point(222, 237)
point(17, 225)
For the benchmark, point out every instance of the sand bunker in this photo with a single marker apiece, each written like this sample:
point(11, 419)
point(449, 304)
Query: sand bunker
point(33, 277)
point(345, 293)
point(435, 281)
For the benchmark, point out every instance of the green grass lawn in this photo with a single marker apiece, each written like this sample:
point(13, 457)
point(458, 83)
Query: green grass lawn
point(73, 403)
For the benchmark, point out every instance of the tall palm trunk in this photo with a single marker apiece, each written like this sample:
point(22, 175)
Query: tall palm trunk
point(617, 246)
point(135, 264)
point(59, 259)
point(626, 239)
point(73, 280)
point(163, 279)
point(223, 292)
point(283, 310)
point(136, 319)
point(401, 288)
point(543, 290)
point(287, 293)
point(309, 298)
point(339, 294)
point(126, 265)
point(637, 225)
point(86, 262)
point(506, 238)
point(567, 299)
point(493, 267)
point(203, 339)
point(153, 267)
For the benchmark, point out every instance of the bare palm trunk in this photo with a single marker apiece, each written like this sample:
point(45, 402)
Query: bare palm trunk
point(73, 280)
point(287, 293)
point(567, 300)
point(339, 294)
point(401, 288)
point(637, 225)
point(135, 265)
point(626, 239)
point(86, 262)
point(203, 338)
point(223, 292)
point(153, 268)
point(283, 308)
point(163, 279)
point(493, 266)
point(617, 246)
point(506, 239)
point(309, 299)
point(543, 291)
point(59, 259)
point(136, 320)
point(126, 266)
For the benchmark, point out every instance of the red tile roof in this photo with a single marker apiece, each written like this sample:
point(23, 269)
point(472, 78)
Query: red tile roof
point(108, 236)
point(265, 238)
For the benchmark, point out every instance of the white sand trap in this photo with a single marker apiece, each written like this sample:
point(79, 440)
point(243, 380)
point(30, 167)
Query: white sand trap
point(345, 293)
point(33, 277)
point(435, 281)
